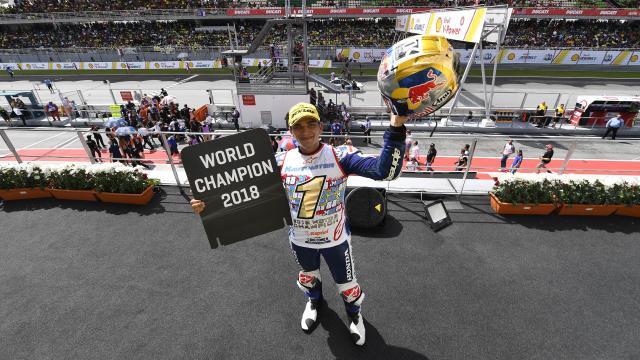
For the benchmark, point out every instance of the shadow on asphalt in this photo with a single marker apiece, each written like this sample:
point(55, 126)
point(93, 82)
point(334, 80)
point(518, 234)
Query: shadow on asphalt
point(342, 347)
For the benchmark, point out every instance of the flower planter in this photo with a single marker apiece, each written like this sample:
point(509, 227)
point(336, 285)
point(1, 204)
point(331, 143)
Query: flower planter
point(588, 210)
point(22, 194)
point(135, 199)
point(520, 209)
point(629, 210)
point(80, 195)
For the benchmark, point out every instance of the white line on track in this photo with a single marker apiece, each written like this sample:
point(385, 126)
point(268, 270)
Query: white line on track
point(176, 84)
point(65, 142)
point(43, 140)
point(73, 141)
point(182, 81)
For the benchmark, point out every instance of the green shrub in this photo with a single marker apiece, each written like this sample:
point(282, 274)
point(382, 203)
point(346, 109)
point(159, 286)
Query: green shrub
point(583, 192)
point(72, 178)
point(520, 191)
point(22, 176)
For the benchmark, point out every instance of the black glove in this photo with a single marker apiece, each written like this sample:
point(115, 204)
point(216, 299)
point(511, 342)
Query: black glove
point(397, 107)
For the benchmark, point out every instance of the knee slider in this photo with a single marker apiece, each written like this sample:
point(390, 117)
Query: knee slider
point(308, 280)
point(351, 293)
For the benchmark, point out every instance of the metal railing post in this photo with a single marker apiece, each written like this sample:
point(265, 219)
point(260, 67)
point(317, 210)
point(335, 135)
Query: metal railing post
point(555, 106)
point(4, 136)
point(462, 81)
point(466, 171)
point(86, 147)
point(524, 100)
point(484, 83)
point(173, 166)
point(572, 148)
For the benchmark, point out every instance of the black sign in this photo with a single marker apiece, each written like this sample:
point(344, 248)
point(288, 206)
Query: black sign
point(238, 179)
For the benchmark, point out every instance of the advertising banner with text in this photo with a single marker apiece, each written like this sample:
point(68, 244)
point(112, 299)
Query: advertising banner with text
point(96, 65)
point(363, 55)
point(196, 64)
point(65, 66)
point(162, 65)
point(462, 25)
point(570, 13)
point(13, 66)
point(34, 66)
point(137, 65)
point(634, 59)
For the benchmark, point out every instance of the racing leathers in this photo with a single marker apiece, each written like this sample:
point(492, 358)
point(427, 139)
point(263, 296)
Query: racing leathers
point(315, 185)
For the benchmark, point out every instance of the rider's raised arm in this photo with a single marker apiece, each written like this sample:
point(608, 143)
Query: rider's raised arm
point(387, 165)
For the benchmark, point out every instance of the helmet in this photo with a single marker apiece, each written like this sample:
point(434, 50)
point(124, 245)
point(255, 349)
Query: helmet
point(420, 71)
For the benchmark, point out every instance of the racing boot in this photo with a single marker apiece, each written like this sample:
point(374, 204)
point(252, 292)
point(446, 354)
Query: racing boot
point(356, 328)
point(310, 315)
point(353, 297)
point(310, 284)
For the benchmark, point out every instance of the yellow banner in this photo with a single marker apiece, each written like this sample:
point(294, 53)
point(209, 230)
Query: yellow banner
point(621, 58)
point(115, 110)
point(560, 57)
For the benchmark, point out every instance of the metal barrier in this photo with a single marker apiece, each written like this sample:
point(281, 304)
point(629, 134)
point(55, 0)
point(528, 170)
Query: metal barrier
point(205, 53)
point(477, 160)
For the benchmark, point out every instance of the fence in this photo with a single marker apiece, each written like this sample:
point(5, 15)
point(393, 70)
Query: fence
point(482, 155)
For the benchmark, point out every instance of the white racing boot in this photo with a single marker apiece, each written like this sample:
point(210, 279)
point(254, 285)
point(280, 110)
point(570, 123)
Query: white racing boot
point(353, 296)
point(310, 284)
point(310, 315)
point(356, 328)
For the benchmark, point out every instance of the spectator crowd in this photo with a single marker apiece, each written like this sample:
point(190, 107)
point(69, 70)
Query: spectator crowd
point(154, 114)
point(48, 6)
point(377, 33)
point(578, 33)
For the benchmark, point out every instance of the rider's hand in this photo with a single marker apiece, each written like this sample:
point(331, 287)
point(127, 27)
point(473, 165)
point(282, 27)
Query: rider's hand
point(197, 206)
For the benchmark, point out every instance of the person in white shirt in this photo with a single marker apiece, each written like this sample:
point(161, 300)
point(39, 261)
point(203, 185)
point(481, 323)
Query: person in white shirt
point(506, 152)
point(68, 109)
point(367, 131)
point(407, 145)
point(19, 113)
point(415, 155)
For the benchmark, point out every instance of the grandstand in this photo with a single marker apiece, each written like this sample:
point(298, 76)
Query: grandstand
point(322, 32)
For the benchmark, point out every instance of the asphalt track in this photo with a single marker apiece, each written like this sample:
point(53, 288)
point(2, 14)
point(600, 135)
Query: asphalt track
point(100, 281)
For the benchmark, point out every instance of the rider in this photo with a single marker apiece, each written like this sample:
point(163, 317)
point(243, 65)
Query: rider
point(315, 179)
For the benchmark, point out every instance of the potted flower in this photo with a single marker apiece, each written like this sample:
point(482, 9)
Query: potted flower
point(584, 198)
point(122, 184)
point(628, 196)
point(523, 197)
point(23, 181)
point(72, 182)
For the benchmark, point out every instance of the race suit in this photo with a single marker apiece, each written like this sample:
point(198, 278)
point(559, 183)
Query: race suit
point(315, 185)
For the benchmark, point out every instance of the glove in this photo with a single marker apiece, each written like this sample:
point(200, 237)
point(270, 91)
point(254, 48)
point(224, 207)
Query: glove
point(397, 107)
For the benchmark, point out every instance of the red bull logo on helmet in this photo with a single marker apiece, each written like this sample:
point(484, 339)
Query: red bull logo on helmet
point(419, 92)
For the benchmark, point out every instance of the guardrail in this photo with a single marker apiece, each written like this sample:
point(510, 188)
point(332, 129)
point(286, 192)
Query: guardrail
point(476, 162)
point(84, 115)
